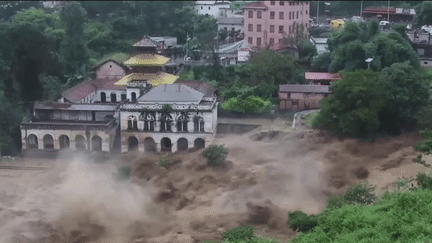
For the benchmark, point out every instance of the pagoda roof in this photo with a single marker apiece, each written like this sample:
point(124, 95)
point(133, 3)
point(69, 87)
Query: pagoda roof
point(147, 60)
point(153, 78)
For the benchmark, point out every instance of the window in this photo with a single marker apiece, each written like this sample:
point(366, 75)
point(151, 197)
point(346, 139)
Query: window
point(301, 12)
point(271, 41)
point(298, 3)
point(306, 25)
point(425, 62)
point(250, 14)
point(103, 97)
point(182, 126)
point(258, 28)
point(307, 3)
point(306, 12)
point(209, 8)
point(258, 41)
point(282, 3)
point(123, 97)
point(148, 125)
point(199, 125)
point(290, 29)
point(289, 15)
point(201, 7)
point(259, 14)
point(225, 28)
point(272, 2)
point(272, 15)
point(281, 15)
point(250, 40)
point(271, 28)
point(133, 96)
point(281, 29)
point(165, 126)
point(232, 29)
point(250, 27)
point(297, 15)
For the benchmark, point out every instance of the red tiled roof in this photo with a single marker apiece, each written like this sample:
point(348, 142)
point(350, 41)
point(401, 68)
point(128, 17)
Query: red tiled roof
point(320, 76)
point(111, 60)
point(255, 5)
point(86, 88)
point(201, 86)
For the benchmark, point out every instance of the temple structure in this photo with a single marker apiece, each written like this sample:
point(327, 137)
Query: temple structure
point(128, 106)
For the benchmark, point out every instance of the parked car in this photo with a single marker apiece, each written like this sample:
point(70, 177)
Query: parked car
point(384, 23)
point(427, 28)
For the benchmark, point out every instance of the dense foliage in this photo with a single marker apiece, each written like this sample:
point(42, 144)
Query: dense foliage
point(44, 51)
point(365, 102)
point(215, 154)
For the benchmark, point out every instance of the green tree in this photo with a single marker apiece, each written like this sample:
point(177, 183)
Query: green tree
point(321, 63)
point(215, 154)
point(10, 119)
point(269, 65)
point(302, 222)
point(353, 108)
point(73, 48)
point(406, 92)
point(424, 17)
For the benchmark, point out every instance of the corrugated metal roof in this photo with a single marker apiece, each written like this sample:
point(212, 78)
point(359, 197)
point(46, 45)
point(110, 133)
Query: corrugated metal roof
point(154, 78)
point(172, 93)
point(146, 42)
point(74, 107)
point(202, 86)
point(230, 20)
point(147, 60)
point(304, 88)
point(320, 76)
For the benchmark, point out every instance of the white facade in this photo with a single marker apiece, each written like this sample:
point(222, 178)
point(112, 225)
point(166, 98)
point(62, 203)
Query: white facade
point(426, 62)
point(210, 7)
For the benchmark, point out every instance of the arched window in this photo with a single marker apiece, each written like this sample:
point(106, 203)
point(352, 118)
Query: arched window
point(149, 120)
point(123, 97)
point(132, 123)
point(182, 122)
point(103, 97)
point(166, 120)
point(198, 124)
point(133, 95)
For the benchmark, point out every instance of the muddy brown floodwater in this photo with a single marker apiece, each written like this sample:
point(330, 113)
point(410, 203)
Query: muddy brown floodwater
point(267, 175)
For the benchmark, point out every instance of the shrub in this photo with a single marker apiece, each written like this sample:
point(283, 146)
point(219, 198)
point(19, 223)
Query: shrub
point(215, 154)
point(241, 234)
point(164, 161)
point(336, 201)
point(424, 181)
point(423, 146)
point(124, 173)
point(300, 221)
point(362, 193)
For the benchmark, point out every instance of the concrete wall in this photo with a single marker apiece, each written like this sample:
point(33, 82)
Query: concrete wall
point(40, 133)
point(157, 137)
point(110, 69)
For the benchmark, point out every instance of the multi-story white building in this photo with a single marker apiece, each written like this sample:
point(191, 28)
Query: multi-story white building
point(168, 118)
point(130, 105)
point(211, 7)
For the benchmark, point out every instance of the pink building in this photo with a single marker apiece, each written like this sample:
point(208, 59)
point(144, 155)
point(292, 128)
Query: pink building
point(267, 22)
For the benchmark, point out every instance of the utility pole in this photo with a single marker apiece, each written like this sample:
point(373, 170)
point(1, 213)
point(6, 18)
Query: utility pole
point(318, 13)
point(388, 11)
point(361, 9)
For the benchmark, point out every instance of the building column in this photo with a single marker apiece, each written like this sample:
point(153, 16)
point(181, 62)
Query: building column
point(140, 146)
point(40, 144)
point(124, 145)
point(105, 146)
point(174, 147)
point(72, 144)
point(158, 147)
point(56, 144)
point(174, 126)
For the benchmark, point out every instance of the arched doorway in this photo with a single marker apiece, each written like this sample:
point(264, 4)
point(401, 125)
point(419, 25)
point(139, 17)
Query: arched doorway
point(96, 143)
point(80, 142)
point(132, 143)
point(32, 141)
point(103, 97)
point(166, 144)
point(113, 98)
point(149, 144)
point(182, 144)
point(48, 141)
point(64, 142)
point(199, 143)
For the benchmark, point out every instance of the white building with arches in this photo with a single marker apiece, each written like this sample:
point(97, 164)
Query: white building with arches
point(168, 118)
point(75, 126)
